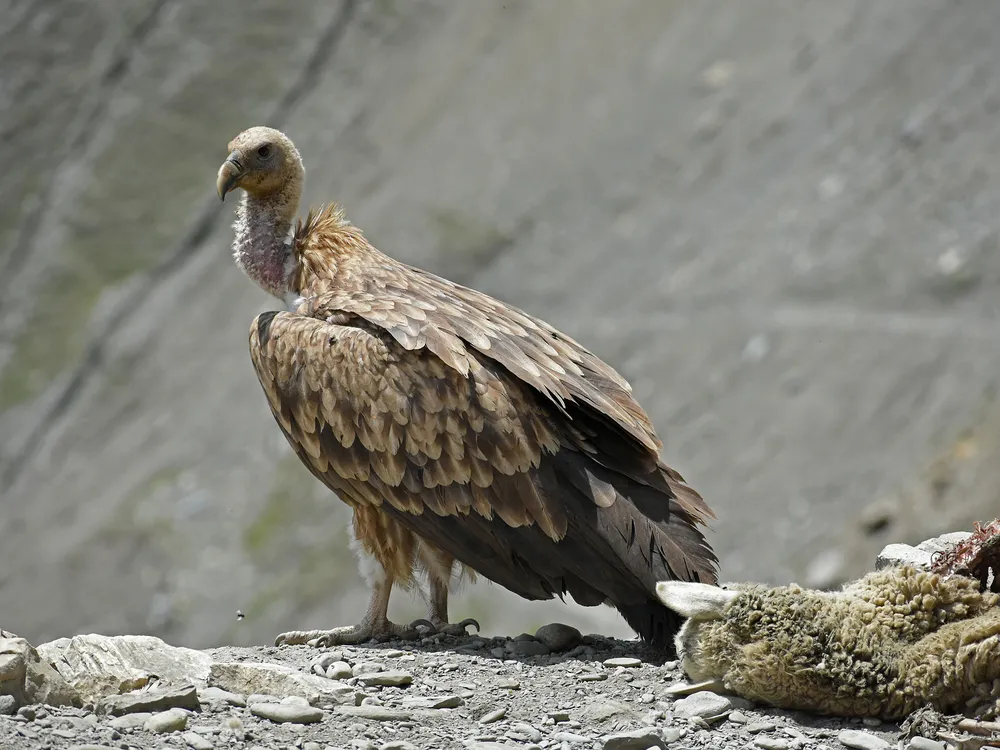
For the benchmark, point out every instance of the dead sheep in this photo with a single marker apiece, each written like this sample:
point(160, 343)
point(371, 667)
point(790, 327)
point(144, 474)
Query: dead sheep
point(884, 646)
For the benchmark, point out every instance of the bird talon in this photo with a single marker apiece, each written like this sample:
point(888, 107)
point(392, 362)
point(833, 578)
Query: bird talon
point(427, 625)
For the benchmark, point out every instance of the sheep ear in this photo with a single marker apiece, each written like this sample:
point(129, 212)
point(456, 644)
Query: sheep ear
point(699, 601)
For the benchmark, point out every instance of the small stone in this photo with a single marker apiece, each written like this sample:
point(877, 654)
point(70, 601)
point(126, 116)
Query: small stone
point(493, 716)
point(89, 747)
point(671, 734)
point(871, 721)
point(364, 667)
point(569, 738)
point(509, 685)
point(171, 720)
point(559, 637)
point(623, 661)
point(292, 712)
point(759, 726)
point(719, 74)
point(498, 653)
point(558, 716)
point(196, 742)
point(376, 713)
point(637, 739)
point(527, 648)
point(738, 717)
point(152, 701)
point(526, 731)
point(218, 695)
point(647, 698)
point(858, 740)
point(391, 678)
point(593, 676)
point(27, 712)
point(924, 743)
point(8, 705)
point(434, 702)
point(704, 705)
point(397, 745)
point(339, 670)
point(129, 721)
point(772, 743)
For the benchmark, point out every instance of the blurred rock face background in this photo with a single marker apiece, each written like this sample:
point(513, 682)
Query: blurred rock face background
point(779, 222)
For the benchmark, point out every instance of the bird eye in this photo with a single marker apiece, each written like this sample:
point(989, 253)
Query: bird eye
point(264, 151)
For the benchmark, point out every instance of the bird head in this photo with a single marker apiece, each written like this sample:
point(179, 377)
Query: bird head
point(262, 161)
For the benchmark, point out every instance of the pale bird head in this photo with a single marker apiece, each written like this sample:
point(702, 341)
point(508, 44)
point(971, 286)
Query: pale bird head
point(262, 161)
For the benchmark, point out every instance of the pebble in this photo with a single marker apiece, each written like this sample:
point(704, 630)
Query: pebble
point(772, 743)
point(925, 743)
point(569, 737)
point(391, 678)
point(397, 745)
point(493, 716)
point(434, 702)
point(703, 705)
point(171, 720)
point(738, 717)
point(593, 676)
point(623, 661)
point(89, 747)
point(196, 742)
point(524, 732)
point(288, 712)
point(637, 739)
point(129, 721)
point(759, 726)
point(375, 713)
point(527, 648)
point(559, 637)
point(363, 667)
point(509, 685)
point(8, 705)
point(858, 740)
point(218, 695)
point(339, 670)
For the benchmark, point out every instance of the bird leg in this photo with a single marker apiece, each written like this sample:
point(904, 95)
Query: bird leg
point(439, 568)
point(374, 626)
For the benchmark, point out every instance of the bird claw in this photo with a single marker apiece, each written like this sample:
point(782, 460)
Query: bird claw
point(351, 635)
point(446, 628)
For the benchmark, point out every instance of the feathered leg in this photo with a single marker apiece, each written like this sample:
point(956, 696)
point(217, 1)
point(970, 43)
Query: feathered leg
point(439, 566)
point(386, 556)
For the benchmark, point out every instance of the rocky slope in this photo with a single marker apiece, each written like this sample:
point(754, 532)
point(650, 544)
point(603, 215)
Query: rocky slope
point(779, 224)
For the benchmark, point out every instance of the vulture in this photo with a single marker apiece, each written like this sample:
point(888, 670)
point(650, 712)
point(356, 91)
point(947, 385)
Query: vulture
point(467, 436)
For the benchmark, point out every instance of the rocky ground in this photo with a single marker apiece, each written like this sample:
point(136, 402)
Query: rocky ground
point(442, 692)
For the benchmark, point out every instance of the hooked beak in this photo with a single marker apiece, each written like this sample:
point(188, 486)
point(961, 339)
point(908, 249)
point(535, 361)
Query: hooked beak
point(229, 174)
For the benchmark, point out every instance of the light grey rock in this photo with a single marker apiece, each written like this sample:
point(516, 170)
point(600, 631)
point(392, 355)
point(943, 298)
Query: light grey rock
point(772, 743)
point(288, 712)
point(671, 734)
point(29, 678)
point(493, 716)
point(388, 678)
point(433, 702)
point(171, 720)
point(97, 666)
point(559, 637)
point(924, 743)
point(759, 726)
point(636, 739)
point(339, 670)
point(213, 694)
point(397, 745)
point(524, 732)
point(196, 741)
point(600, 711)
point(623, 661)
point(152, 701)
point(381, 713)
point(129, 721)
point(920, 556)
point(858, 740)
point(8, 705)
point(571, 738)
point(275, 679)
point(703, 705)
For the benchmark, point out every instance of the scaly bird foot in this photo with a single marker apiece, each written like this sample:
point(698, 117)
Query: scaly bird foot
point(446, 628)
point(351, 635)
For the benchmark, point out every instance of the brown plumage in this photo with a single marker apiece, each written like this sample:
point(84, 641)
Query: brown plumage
point(457, 427)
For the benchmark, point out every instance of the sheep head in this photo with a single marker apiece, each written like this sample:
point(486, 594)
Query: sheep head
point(704, 606)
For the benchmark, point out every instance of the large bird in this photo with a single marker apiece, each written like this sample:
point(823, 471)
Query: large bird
point(465, 434)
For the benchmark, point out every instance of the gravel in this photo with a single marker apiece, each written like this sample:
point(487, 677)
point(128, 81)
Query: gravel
point(444, 692)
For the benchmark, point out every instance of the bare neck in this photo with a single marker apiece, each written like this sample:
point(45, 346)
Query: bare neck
point(262, 245)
